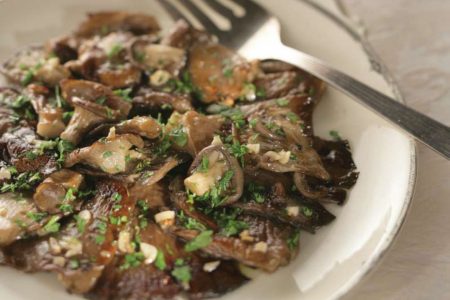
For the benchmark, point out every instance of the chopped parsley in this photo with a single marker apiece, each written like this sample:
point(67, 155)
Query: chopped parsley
point(36, 216)
point(99, 239)
point(214, 197)
point(60, 102)
point(292, 117)
point(227, 219)
point(282, 102)
point(124, 94)
point(23, 181)
point(179, 136)
point(204, 164)
point(107, 154)
point(132, 260)
point(181, 271)
point(81, 223)
point(74, 264)
point(67, 115)
point(116, 197)
point(70, 194)
point(200, 241)
point(52, 225)
point(64, 147)
point(101, 100)
point(66, 208)
point(335, 135)
point(293, 240)
point(256, 192)
point(114, 51)
point(160, 261)
point(227, 68)
point(190, 223)
point(238, 150)
point(308, 212)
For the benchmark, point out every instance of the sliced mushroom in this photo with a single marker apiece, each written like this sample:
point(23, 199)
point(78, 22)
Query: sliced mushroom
point(185, 36)
point(102, 23)
point(199, 130)
point(202, 180)
point(150, 100)
point(65, 48)
point(52, 72)
point(112, 155)
point(121, 76)
point(19, 217)
point(94, 103)
point(219, 73)
point(50, 123)
point(150, 56)
point(143, 126)
point(50, 194)
point(7, 98)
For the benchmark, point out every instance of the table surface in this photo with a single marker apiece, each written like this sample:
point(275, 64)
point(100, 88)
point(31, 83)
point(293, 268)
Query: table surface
point(412, 38)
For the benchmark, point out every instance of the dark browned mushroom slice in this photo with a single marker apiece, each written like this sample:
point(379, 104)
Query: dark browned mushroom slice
point(143, 126)
point(276, 85)
point(52, 193)
point(185, 36)
point(112, 155)
point(306, 83)
point(34, 64)
point(94, 103)
point(15, 221)
point(102, 23)
point(198, 129)
point(263, 246)
point(65, 48)
point(79, 251)
point(219, 73)
point(148, 100)
point(50, 123)
point(150, 56)
point(278, 141)
point(20, 145)
point(8, 96)
point(338, 161)
point(211, 165)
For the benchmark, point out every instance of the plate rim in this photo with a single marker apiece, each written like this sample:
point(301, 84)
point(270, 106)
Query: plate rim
point(377, 64)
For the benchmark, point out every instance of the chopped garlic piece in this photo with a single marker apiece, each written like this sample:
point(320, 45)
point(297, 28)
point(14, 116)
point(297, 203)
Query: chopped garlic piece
point(201, 182)
point(159, 78)
point(59, 261)
point(72, 245)
point(124, 242)
point(245, 236)
point(261, 247)
point(105, 254)
point(253, 148)
point(292, 211)
point(282, 156)
point(216, 141)
point(211, 266)
point(165, 218)
point(85, 215)
point(5, 173)
point(55, 248)
point(111, 133)
point(150, 252)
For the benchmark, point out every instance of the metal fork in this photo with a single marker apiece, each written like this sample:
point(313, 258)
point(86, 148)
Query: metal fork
point(257, 35)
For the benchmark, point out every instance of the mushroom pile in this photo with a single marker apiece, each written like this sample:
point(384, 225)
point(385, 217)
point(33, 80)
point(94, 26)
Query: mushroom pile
point(141, 166)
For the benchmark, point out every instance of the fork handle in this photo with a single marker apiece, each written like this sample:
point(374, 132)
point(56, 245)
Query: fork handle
point(423, 128)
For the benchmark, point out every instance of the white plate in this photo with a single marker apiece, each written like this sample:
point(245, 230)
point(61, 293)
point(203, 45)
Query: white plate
point(337, 257)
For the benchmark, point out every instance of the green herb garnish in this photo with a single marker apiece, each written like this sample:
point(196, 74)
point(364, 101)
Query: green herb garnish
point(200, 241)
